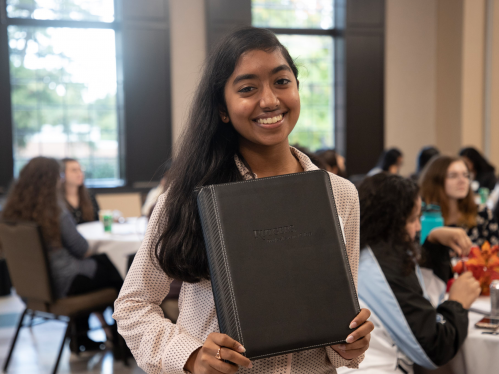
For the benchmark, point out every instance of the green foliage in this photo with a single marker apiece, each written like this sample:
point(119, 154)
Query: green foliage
point(314, 58)
point(296, 14)
point(46, 93)
point(56, 9)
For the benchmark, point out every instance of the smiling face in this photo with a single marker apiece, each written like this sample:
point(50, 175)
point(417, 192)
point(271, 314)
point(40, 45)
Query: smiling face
point(457, 180)
point(262, 98)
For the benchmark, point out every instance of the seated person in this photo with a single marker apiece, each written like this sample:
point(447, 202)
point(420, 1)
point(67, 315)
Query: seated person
point(35, 197)
point(480, 169)
point(408, 328)
point(335, 163)
point(155, 193)
point(424, 156)
point(79, 201)
point(389, 161)
point(446, 182)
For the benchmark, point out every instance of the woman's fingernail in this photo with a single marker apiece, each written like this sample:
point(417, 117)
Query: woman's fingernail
point(250, 365)
point(353, 325)
point(241, 349)
point(350, 339)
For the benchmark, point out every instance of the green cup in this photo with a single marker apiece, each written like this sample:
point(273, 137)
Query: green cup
point(106, 217)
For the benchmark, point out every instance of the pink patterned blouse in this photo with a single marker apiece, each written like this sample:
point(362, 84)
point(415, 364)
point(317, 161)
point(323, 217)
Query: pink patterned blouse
point(160, 346)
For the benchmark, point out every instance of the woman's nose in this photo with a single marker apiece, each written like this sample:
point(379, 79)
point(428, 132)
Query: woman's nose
point(269, 99)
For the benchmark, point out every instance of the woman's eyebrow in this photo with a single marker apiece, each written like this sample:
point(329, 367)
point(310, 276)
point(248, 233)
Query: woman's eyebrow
point(280, 68)
point(243, 77)
point(275, 70)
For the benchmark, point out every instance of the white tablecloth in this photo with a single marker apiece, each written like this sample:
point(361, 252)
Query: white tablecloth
point(480, 352)
point(124, 240)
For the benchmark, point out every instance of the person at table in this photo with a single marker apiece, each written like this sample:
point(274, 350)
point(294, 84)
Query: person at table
point(424, 156)
point(480, 169)
point(446, 182)
point(334, 161)
point(79, 201)
point(390, 161)
point(246, 105)
point(155, 193)
point(408, 328)
point(35, 197)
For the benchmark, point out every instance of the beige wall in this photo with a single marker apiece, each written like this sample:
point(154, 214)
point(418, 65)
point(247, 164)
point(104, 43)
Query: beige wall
point(188, 51)
point(410, 74)
point(473, 70)
point(494, 94)
point(435, 76)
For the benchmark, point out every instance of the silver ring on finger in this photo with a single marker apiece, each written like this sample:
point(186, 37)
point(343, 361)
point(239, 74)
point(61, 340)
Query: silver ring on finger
point(217, 356)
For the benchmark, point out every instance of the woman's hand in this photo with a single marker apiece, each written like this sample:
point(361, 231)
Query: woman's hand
point(357, 341)
point(204, 360)
point(453, 237)
point(465, 290)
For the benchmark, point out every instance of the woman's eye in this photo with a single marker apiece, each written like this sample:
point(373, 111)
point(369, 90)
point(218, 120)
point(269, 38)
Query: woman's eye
point(246, 89)
point(283, 81)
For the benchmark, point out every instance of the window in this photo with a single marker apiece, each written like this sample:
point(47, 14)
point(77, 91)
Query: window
point(306, 28)
point(64, 86)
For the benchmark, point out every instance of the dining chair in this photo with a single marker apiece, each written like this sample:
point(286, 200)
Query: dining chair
point(28, 266)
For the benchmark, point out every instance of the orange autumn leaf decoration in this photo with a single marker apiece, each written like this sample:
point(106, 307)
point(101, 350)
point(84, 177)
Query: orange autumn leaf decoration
point(484, 264)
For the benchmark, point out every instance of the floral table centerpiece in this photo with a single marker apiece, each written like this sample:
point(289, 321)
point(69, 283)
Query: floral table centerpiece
point(483, 263)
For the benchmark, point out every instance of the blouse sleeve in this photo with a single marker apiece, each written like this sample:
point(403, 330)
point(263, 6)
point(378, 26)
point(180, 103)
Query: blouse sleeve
point(347, 202)
point(158, 345)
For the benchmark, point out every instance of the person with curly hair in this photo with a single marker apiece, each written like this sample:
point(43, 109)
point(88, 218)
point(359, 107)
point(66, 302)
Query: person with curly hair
point(35, 197)
point(79, 201)
point(445, 181)
point(408, 328)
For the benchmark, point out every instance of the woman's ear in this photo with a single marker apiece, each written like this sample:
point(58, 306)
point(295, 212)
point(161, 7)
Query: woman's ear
point(224, 116)
point(298, 83)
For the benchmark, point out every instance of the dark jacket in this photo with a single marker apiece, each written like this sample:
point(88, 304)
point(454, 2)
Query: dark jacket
point(440, 331)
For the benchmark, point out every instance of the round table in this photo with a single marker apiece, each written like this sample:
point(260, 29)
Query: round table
point(124, 239)
point(480, 352)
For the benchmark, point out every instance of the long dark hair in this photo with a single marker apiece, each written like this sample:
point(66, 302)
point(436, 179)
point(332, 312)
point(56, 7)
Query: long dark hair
point(425, 155)
point(386, 202)
point(205, 156)
point(480, 164)
point(35, 197)
point(86, 206)
point(388, 158)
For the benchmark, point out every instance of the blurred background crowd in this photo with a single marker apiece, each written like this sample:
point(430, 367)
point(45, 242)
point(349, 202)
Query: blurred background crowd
point(400, 97)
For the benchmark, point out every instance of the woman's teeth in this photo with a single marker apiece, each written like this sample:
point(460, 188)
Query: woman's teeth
point(270, 120)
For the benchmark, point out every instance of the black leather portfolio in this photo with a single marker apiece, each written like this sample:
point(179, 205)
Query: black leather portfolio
point(278, 263)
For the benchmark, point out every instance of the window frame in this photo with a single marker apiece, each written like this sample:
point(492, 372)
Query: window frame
point(337, 33)
point(114, 25)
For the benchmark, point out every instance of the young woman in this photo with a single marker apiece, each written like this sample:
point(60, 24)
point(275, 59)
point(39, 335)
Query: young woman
point(334, 161)
point(424, 156)
point(35, 197)
point(480, 169)
point(446, 182)
point(389, 161)
point(79, 201)
point(246, 105)
point(409, 329)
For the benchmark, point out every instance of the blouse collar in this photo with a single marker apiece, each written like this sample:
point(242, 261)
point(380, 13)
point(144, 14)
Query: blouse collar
point(303, 159)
